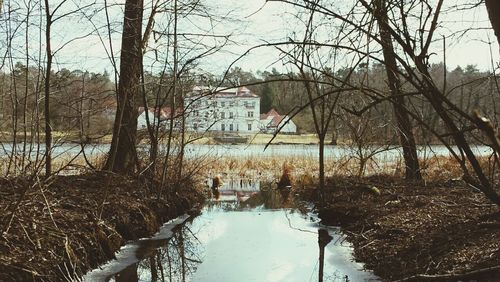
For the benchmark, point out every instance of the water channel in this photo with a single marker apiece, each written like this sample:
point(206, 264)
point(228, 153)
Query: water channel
point(247, 232)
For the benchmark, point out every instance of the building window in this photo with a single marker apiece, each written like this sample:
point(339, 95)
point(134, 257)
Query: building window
point(231, 104)
point(249, 127)
point(222, 104)
point(223, 127)
point(223, 115)
point(231, 127)
point(245, 103)
point(195, 126)
point(253, 104)
point(231, 115)
point(250, 114)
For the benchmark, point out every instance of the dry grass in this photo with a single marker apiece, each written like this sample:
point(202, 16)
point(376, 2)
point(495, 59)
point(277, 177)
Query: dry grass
point(305, 171)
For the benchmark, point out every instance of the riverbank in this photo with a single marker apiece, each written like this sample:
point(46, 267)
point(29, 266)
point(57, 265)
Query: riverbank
point(75, 223)
point(73, 137)
point(413, 231)
point(259, 139)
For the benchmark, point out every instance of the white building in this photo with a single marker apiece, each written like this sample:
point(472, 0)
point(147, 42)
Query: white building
point(272, 121)
point(223, 110)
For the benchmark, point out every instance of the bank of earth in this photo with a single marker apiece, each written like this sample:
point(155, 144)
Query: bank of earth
point(62, 230)
point(414, 231)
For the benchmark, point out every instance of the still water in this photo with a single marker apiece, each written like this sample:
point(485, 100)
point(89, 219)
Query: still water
point(246, 233)
point(248, 151)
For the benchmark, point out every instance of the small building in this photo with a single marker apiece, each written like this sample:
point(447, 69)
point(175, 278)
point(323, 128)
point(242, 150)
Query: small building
point(229, 110)
point(161, 115)
point(272, 121)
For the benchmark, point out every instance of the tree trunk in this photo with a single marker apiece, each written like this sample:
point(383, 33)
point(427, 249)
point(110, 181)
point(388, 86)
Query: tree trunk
point(493, 7)
point(322, 165)
point(48, 70)
point(403, 122)
point(122, 157)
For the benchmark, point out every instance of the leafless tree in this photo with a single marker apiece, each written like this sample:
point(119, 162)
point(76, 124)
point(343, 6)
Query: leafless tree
point(122, 157)
point(414, 50)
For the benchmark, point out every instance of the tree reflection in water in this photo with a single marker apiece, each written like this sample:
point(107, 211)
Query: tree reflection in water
point(176, 258)
point(173, 259)
point(270, 233)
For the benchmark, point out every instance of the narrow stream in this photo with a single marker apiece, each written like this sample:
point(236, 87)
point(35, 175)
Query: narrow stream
point(247, 233)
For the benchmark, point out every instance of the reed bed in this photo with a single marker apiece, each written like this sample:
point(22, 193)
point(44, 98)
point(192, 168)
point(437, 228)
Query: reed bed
point(305, 170)
point(302, 169)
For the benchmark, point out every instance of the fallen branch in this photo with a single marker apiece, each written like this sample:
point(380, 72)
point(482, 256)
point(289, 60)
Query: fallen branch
point(460, 276)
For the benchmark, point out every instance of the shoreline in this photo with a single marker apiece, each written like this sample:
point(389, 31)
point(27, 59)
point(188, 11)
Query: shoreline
point(441, 231)
point(74, 235)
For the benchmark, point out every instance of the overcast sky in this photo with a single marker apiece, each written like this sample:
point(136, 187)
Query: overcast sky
point(252, 23)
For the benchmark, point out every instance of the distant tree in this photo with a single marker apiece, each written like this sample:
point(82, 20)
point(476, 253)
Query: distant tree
point(266, 101)
point(237, 76)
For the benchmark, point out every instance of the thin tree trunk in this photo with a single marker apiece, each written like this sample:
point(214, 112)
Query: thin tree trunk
point(403, 122)
point(48, 70)
point(172, 99)
point(26, 93)
point(122, 157)
point(322, 164)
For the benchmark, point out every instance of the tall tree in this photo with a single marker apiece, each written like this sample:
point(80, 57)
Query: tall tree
point(403, 123)
point(493, 7)
point(122, 157)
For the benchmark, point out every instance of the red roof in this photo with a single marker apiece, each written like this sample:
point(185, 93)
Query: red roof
point(276, 117)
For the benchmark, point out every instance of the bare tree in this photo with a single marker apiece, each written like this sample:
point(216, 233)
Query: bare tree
point(404, 126)
point(414, 49)
point(122, 157)
point(48, 72)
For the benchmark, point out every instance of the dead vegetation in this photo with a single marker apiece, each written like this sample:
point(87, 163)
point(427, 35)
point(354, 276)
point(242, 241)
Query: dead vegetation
point(59, 230)
point(415, 230)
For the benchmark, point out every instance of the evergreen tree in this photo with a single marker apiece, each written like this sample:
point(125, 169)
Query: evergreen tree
point(266, 101)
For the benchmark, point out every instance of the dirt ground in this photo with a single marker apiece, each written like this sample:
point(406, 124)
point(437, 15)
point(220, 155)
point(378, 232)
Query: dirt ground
point(414, 231)
point(59, 232)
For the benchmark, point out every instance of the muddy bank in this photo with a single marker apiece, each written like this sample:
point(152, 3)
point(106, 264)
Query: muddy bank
point(438, 231)
point(63, 230)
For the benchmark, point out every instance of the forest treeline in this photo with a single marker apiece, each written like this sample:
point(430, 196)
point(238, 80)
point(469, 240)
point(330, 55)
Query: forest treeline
point(84, 101)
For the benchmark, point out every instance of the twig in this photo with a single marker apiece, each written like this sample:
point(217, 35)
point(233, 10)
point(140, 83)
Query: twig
point(466, 275)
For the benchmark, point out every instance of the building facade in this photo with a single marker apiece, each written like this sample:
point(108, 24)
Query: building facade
point(234, 110)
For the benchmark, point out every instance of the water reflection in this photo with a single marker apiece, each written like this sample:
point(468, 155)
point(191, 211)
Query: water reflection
point(241, 194)
point(323, 239)
point(252, 232)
